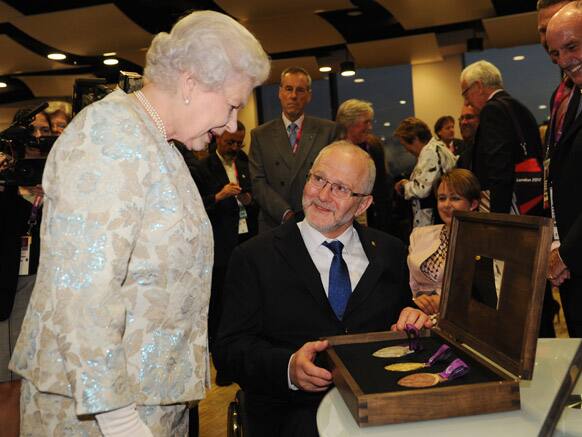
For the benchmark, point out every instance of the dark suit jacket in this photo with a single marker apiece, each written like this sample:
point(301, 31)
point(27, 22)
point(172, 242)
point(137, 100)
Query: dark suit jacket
point(211, 177)
point(278, 175)
point(379, 214)
point(496, 149)
point(14, 216)
point(565, 171)
point(274, 302)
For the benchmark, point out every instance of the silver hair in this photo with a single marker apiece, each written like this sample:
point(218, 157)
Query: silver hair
point(296, 70)
point(484, 71)
point(358, 151)
point(350, 110)
point(211, 46)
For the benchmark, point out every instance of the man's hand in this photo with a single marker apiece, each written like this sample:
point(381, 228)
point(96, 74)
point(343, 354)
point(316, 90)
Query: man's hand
point(557, 271)
point(414, 317)
point(245, 198)
point(558, 280)
point(229, 190)
point(428, 304)
point(399, 186)
point(304, 374)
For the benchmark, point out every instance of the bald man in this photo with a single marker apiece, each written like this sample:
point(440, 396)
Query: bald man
point(564, 37)
point(281, 295)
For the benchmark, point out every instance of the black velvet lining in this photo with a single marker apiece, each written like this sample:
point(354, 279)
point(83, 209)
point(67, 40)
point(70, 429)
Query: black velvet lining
point(368, 371)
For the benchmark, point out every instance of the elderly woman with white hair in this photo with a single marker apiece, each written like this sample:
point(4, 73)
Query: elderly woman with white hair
point(354, 118)
point(114, 341)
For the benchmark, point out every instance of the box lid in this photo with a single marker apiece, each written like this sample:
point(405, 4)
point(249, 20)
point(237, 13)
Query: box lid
point(494, 284)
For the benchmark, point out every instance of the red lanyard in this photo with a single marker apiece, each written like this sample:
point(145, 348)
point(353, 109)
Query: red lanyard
point(564, 92)
point(235, 171)
point(297, 139)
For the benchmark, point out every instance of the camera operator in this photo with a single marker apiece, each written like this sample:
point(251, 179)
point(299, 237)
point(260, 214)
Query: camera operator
point(20, 214)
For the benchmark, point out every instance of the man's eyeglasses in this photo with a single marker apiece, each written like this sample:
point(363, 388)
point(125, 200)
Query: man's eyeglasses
point(467, 117)
point(466, 90)
point(337, 190)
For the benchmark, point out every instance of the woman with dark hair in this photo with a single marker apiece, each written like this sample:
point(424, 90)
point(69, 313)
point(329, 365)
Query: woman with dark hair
point(444, 130)
point(457, 190)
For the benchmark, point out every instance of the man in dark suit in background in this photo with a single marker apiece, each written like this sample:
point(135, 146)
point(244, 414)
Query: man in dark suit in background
point(504, 123)
point(225, 186)
point(289, 287)
point(564, 36)
point(468, 124)
point(497, 144)
point(283, 150)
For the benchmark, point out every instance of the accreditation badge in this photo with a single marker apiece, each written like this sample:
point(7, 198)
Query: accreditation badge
point(25, 242)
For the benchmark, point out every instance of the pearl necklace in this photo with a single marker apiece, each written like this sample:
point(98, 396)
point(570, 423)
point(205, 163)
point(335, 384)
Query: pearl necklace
point(152, 112)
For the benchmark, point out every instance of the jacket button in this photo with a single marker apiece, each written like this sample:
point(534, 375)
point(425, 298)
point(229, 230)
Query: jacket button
point(282, 183)
point(276, 162)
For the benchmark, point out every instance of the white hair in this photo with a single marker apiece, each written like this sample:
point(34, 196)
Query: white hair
point(211, 46)
point(350, 110)
point(484, 71)
point(368, 184)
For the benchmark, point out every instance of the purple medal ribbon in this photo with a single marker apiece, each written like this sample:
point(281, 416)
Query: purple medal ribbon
point(456, 369)
point(413, 335)
point(442, 353)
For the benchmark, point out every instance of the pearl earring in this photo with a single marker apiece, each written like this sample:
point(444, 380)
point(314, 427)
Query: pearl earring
point(186, 101)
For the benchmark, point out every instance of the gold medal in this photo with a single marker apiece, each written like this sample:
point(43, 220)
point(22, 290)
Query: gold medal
point(392, 352)
point(419, 380)
point(404, 367)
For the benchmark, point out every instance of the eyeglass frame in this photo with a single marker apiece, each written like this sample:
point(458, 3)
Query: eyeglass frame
point(334, 187)
point(467, 117)
point(464, 92)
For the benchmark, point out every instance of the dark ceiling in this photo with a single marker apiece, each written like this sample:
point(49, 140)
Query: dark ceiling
point(357, 21)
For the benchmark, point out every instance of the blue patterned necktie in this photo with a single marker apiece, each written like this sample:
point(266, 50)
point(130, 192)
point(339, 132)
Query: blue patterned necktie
point(292, 134)
point(340, 287)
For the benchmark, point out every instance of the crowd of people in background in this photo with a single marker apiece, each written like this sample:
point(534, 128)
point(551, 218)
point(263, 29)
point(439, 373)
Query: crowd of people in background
point(309, 189)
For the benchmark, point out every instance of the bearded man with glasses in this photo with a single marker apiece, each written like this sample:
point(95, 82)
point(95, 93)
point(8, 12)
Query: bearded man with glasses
point(323, 276)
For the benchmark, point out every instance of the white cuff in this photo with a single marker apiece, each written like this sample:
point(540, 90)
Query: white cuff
point(123, 422)
point(289, 383)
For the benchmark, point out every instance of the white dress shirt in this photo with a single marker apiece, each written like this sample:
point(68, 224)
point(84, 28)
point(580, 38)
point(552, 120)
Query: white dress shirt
point(352, 253)
point(298, 122)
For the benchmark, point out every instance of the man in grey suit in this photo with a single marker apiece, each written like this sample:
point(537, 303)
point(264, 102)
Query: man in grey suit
point(283, 151)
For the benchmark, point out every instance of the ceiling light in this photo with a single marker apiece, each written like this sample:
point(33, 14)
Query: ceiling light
point(402, 102)
point(347, 68)
point(325, 69)
point(110, 54)
point(542, 107)
point(386, 123)
point(519, 58)
point(359, 80)
point(111, 61)
point(3, 84)
point(57, 56)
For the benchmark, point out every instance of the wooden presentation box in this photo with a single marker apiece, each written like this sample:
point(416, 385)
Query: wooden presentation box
point(496, 336)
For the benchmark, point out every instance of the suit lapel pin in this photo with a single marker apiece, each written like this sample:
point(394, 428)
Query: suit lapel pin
point(373, 243)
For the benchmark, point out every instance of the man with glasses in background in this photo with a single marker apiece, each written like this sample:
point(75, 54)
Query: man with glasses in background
point(323, 276)
point(468, 124)
point(224, 183)
point(283, 150)
point(506, 127)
